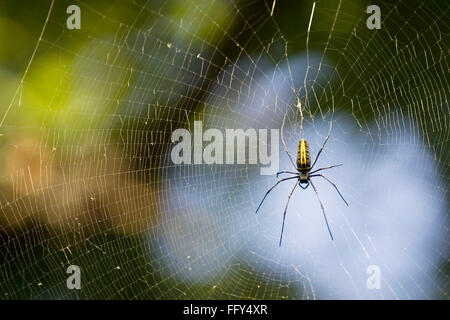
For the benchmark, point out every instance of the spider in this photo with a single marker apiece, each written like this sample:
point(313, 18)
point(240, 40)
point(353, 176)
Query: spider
point(303, 175)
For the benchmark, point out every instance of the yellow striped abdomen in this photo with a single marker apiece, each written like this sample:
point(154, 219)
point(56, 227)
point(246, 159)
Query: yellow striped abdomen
point(303, 157)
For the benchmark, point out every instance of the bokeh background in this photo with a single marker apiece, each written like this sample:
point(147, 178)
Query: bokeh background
point(86, 178)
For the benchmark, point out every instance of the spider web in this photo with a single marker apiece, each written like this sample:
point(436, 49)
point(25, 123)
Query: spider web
point(87, 177)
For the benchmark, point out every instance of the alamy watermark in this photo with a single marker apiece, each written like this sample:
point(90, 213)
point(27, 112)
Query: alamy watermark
point(234, 146)
point(74, 280)
point(374, 280)
point(74, 20)
point(374, 20)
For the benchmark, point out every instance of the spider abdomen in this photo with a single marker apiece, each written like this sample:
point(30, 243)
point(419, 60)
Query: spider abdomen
point(303, 156)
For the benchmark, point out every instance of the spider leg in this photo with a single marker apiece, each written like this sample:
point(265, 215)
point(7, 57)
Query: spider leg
point(284, 143)
point(321, 175)
point(323, 210)
point(323, 146)
point(272, 189)
point(281, 172)
point(284, 213)
point(320, 151)
point(325, 168)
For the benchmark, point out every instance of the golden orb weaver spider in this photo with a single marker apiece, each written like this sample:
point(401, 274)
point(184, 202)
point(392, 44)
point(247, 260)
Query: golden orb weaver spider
point(303, 175)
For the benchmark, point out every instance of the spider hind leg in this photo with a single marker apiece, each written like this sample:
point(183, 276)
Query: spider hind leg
point(268, 191)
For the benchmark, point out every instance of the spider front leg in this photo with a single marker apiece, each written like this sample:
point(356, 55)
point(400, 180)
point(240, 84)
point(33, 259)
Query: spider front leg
point(320, 151)
point(284, 143)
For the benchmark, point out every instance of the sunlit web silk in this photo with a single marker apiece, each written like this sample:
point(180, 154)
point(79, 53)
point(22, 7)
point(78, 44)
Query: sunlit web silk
point(95, 186)
point(211, 232)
